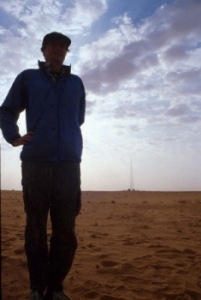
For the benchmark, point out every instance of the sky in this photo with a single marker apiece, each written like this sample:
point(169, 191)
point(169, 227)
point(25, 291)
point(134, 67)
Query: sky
point(140, 62)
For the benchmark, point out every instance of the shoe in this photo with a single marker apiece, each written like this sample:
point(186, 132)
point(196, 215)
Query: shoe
point(35, 295)
point(59, 296)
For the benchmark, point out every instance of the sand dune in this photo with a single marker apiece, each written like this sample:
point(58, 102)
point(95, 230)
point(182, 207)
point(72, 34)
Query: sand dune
point(132, 246)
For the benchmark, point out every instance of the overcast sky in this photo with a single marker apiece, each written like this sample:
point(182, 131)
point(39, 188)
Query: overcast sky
point(140, 62)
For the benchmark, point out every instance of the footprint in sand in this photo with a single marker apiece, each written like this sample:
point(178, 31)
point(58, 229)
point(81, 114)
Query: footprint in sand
point(108, 297)
point(80, 290)
point(193, 293)
point(128, 242)
point(10, 240)
point(19, 251)
point(168, 253)
point(90, 245)
point(127, 268)
point(91, 295)
point(142, 295)
point(109, 263)
point(173, 292)
point(104, 256)
point(121, 289)
point(162, 270)
point(92, 285)
point(159, 297)
point(16, 291)
point(183, 297)
point(153, 246)
point(181, 272)
point(20, 236)
point(159, 285)
point(131, 279)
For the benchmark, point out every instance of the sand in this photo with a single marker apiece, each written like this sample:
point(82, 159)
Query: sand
point(132, 246)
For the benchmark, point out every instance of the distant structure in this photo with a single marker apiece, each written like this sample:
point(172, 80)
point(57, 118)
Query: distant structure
point(131, 175)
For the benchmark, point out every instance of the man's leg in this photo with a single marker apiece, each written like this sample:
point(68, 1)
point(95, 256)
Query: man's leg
point(64, 208)
point(36, 182)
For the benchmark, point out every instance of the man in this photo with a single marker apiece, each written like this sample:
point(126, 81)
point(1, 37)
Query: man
point(54, 101)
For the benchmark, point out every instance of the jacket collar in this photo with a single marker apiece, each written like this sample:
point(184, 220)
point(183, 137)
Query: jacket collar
point(45, 66)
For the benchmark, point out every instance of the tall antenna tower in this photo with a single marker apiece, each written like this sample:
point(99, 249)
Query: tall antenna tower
point(131, 175)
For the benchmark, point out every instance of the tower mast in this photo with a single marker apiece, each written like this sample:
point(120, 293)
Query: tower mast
point(131, 175)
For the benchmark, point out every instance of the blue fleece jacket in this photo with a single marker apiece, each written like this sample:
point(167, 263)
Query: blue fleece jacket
point(54, 112)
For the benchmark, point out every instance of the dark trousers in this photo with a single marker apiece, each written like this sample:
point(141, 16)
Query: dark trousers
point(55, 188)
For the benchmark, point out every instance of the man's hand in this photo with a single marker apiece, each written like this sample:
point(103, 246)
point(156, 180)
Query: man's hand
point(23, 139)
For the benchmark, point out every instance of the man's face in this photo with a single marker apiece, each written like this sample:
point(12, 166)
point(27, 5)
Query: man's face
point(55, 51)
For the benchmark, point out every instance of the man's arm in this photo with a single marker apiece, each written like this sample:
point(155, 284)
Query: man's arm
point(23, 139)
point(82, 106)
point(10, 110)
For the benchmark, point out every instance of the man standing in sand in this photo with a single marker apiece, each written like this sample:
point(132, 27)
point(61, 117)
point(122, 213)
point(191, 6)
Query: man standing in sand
point(54, 101)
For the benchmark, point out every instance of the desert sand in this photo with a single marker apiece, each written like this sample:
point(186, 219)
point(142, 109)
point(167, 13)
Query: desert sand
point(132, 246)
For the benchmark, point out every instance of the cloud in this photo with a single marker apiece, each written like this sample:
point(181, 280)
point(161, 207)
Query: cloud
point(107, 48)
point(89, 106)
point(154, 77)
point(134, 128)
point(42, 16)
point(124, 130)
point(124, 111)
point(83, 14)
point(157, 47)
point(190, 119)
point(175, 53)
point(174, 23)
point(156, 61)
point(107, 79)
point(21, 42)
point(178, 110)
point(184, 76)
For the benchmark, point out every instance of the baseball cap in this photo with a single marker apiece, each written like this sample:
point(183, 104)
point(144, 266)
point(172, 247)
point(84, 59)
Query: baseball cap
point(55, 36)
